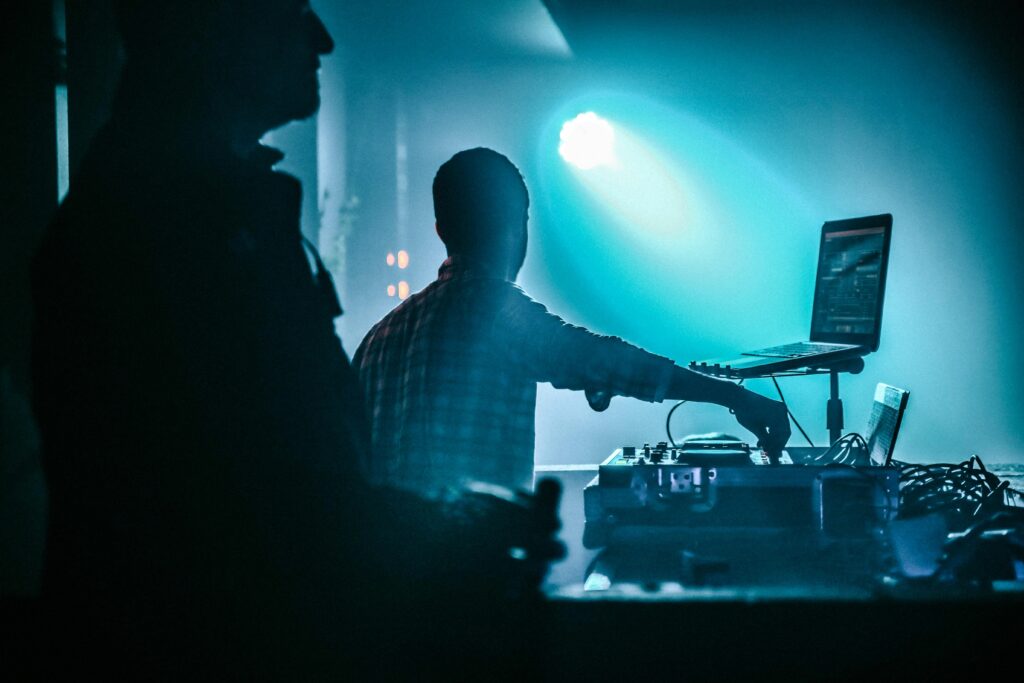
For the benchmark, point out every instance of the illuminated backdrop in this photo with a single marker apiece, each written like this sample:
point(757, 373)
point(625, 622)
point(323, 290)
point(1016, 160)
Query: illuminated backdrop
point(738, 130)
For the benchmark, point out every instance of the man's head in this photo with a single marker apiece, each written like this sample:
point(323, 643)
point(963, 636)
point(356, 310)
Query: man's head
point(481, 206)
point(257, 58)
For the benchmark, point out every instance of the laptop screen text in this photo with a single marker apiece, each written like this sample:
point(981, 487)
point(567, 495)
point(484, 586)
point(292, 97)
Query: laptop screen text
point(849, 284)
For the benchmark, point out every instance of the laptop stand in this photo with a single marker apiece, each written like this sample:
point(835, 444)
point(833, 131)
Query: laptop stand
point(834, 410)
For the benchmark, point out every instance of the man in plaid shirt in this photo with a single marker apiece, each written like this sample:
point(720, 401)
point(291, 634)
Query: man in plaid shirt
point(451, 374)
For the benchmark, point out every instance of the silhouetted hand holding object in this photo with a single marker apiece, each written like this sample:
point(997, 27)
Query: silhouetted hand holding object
point(477, 540)
point(518, 530)
point(765, 418)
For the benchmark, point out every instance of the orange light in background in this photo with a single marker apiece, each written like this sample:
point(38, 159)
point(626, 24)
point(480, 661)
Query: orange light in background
point(403, 289)
point(391, 290)
point(403, 259)
point(391, 258)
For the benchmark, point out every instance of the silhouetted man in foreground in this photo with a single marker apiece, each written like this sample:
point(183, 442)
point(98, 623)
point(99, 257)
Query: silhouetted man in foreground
point(451, 374)
point(202, 428)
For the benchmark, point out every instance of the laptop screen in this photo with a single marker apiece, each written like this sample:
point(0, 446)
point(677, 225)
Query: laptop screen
point(884, 422)
point(850, 287)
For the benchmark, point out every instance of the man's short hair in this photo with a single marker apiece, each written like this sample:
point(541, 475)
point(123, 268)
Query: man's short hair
point(477, 194)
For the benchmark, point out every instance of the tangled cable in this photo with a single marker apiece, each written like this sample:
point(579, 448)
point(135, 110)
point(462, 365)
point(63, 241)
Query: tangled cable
point(963, 492)
point(844, 451)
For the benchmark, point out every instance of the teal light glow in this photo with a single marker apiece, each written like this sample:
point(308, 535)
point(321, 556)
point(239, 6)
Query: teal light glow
point(588, 142)
point(797, 119)
point(640, 188)
point(672, 242)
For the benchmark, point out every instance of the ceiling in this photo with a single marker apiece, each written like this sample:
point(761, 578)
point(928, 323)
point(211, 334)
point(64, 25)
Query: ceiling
point(590, 26)
point(408, 31)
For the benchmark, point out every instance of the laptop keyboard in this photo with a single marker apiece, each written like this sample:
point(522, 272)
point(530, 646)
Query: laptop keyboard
point(798, 350)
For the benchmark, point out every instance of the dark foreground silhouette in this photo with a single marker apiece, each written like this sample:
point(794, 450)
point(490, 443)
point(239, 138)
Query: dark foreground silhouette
point(203, 432)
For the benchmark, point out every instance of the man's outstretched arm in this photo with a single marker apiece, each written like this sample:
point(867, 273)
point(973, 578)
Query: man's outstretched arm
point(571, 357)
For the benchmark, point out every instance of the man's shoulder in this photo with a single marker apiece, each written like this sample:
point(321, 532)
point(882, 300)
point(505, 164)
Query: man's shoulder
point(486, 290)
point(517, 302)
point(479, 296)
point(391, 320)
point(412, 313)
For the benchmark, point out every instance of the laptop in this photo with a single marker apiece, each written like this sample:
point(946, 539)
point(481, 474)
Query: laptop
point(884, 423)
point(846, 318)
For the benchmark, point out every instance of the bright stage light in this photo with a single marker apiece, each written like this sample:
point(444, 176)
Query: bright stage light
point(587, 141)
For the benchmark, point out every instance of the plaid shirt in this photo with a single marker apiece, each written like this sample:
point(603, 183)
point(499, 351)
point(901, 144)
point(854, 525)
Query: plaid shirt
point(451, 374)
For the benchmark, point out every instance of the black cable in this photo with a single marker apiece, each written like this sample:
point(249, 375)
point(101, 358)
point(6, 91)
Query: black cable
point(845, 445)
point(668, 424)
point(790, 412)
point(962, 492)
point(668, 420)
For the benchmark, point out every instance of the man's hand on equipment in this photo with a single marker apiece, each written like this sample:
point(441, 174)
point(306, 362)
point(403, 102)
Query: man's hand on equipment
point(767, 419)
